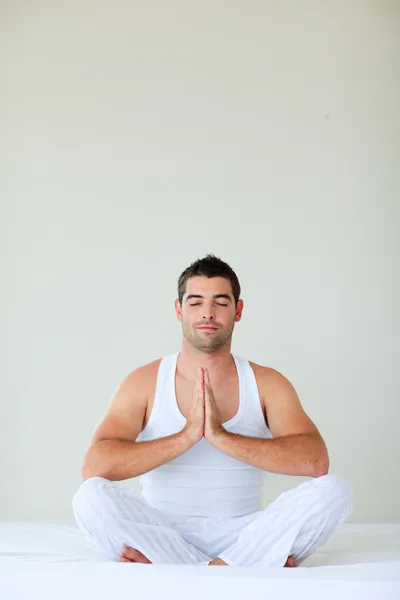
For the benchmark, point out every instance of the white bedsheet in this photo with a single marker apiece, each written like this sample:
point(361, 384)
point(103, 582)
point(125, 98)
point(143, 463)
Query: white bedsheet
point(52, 559)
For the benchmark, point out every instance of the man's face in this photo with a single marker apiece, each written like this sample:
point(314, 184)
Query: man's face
point(208, 301)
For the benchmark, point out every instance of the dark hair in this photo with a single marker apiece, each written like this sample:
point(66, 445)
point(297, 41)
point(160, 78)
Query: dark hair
point(209, 266)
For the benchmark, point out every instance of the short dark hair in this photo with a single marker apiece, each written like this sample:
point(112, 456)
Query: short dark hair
point(209, 266)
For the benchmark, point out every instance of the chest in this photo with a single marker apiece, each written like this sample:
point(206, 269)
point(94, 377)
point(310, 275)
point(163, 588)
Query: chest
point(226, 396)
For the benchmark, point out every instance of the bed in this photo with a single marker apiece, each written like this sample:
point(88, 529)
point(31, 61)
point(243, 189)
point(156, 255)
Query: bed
point(52, 559)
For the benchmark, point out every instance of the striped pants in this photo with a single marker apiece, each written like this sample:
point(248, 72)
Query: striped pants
point(297, 523)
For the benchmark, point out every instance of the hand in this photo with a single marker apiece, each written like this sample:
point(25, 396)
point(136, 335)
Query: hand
point(194, 428)
point(212, 426)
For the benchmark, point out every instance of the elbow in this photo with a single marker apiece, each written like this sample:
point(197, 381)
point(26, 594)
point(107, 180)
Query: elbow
point(86, 467)
point(96, 468)
point(90, 467)
point(321, 462)
point(321, 466)
point(86, 473)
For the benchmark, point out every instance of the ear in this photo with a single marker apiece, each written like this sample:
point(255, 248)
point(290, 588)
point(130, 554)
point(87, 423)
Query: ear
point(178, 310)
point(239, 310)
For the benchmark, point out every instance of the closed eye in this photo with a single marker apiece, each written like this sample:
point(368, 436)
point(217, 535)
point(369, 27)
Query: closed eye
point(196, 303)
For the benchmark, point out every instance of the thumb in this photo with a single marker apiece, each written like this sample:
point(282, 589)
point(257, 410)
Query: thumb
point(199, 381)
point(206, 384)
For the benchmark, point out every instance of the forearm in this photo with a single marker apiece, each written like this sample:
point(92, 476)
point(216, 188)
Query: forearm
point(117, 459)
point(302, 454)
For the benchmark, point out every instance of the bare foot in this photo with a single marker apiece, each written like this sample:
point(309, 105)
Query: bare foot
point(129, 554)
point(291, 563)
point(218, 561)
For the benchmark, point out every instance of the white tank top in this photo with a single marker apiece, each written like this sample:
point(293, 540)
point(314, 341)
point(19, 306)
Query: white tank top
point(204, 481)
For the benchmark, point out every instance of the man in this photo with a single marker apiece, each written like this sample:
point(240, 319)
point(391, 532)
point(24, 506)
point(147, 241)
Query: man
point(200, 427)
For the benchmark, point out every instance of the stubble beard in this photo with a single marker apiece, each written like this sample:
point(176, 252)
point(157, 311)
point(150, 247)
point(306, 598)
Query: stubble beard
point(206, 343)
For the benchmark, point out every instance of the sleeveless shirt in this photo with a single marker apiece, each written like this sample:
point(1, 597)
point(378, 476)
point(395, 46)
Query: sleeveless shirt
point(204, 481)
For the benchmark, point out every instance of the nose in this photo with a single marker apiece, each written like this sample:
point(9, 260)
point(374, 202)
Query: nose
point(208, 313)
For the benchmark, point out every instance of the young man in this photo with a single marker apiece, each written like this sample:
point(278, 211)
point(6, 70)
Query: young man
point(200, 427)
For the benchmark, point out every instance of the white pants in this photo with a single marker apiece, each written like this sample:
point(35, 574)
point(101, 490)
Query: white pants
point(297, 522)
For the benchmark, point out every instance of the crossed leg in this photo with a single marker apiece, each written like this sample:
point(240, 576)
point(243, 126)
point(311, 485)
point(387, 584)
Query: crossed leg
point(295, 524)
point(113, 516)
point(127, 529)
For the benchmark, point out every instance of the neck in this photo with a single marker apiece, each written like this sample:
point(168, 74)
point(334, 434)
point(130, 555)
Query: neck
point(217, 362)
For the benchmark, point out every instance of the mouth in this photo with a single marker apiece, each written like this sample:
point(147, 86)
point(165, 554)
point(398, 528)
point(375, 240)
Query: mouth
point(207, 328)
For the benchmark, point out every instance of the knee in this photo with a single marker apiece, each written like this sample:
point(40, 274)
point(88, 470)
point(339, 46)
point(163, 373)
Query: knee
point(335, 483)
point(88, 494)
point(336, 490)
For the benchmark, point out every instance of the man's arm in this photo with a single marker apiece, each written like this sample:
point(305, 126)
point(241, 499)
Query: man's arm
point(297, 447)
point(113, 452)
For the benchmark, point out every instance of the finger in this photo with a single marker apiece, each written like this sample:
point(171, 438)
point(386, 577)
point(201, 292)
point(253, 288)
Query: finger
point(207, 388)
point(199, 387)
point(199, 379)
point(207, 384)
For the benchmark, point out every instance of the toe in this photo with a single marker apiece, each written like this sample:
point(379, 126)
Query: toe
point(128, 553)
point(134, 555)
point(290, 563)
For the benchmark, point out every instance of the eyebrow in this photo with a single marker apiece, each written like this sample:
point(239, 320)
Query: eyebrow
point(226, 296)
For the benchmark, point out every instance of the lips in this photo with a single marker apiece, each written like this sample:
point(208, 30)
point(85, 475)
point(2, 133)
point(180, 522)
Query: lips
point(208, 328)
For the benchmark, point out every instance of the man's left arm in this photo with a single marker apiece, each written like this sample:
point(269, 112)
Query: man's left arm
point(297, 447)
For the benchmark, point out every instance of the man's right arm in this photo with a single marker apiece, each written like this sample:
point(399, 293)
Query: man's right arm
point(113, 452)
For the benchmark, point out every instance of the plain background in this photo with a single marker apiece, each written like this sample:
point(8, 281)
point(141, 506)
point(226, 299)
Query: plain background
point(139, 136)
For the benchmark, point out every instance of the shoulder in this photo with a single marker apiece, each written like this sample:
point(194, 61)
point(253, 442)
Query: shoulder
point(267, 375)
point(138, 387)
point(281, 403)
point(144, 376)
point(140, 381)
point(270, 381)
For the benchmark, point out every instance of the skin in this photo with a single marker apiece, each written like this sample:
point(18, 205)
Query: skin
point(209, 301)
point(212, 427)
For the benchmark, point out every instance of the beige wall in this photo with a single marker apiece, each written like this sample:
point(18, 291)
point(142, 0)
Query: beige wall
point(140, 135)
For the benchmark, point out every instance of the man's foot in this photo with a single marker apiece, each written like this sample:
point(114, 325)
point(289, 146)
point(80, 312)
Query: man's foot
point(291, 563)
point(218, 561)
point(129, 554)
